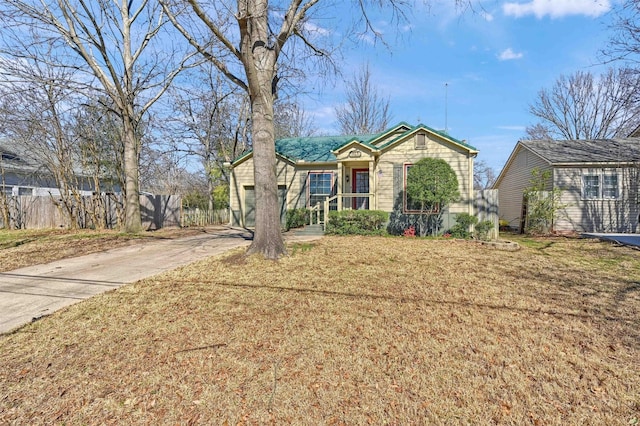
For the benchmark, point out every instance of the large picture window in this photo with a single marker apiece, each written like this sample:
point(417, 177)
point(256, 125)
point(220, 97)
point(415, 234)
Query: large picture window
point(320, 187)
point(599, 186)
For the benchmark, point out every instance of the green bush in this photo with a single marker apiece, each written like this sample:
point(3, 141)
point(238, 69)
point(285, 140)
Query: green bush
point(482, 230)
point(297, 218)
point(463, 223)
point(357, 222)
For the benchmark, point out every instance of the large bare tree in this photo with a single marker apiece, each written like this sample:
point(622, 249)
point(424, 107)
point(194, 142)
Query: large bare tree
point(37, 115)
point(120, 46)
point(366, 110)
point(291, 120)
point(483, 175)
point(624, 42)
point(252, 42)
point(585, 106)
point(210, 122)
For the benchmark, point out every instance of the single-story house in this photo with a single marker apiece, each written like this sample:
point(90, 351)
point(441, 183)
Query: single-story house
point(354, 172)
point(597, 179)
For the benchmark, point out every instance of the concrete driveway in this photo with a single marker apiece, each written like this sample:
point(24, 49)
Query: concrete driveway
point(30, 293)
point(627, 239)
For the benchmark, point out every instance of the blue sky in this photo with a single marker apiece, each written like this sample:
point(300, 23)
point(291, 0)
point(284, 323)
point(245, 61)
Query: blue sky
point(493, 62)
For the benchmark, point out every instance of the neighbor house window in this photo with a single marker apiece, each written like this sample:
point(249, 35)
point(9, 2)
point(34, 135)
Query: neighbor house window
point(598, 186)
point(320, 187)
point(412, 206)
point(591, 186)
point(609, 186)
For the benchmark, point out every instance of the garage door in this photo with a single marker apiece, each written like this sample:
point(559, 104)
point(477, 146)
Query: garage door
point(250, 205)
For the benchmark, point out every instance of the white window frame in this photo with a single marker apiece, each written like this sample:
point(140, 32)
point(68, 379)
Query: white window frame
point(585, 186)
point(615, 187)
point(603, 192)
point(331, 189)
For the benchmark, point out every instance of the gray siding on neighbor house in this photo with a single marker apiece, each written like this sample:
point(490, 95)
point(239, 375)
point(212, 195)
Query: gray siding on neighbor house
point(512, 182)
point(597, 215)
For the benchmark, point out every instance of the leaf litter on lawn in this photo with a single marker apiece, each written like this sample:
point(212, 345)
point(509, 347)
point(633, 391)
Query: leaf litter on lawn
point(351, 330)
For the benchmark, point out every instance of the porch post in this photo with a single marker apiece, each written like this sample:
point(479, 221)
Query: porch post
point(339, 189)
point(372, 181)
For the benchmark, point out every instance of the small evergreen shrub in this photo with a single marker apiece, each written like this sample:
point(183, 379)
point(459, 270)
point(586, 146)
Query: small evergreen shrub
point(297, 218)
point(463, 223)
point(356, 222)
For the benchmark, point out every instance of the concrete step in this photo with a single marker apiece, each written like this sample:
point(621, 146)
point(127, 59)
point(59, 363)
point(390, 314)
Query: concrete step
point(310, 230)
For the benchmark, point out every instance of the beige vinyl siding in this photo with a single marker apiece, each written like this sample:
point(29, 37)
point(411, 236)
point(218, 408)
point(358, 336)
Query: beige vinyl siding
point(406, 152)
point(601, 214)
point(513, 181)
point(242, 178)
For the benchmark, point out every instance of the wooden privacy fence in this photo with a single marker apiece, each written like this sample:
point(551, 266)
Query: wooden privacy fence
point(486, 208)
point(197, 217)
point(37, 212)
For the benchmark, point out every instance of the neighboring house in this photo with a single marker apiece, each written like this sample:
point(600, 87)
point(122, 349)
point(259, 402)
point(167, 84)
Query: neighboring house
point(23, 173)
point(353, 172)
point(598, 180)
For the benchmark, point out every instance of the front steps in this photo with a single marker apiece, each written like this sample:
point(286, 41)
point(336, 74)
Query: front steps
point(310, 231)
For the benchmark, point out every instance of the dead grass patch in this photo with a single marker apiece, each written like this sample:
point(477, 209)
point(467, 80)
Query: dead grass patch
point(347, 331)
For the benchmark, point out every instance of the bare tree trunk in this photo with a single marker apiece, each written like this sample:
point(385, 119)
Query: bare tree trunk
point(267, 239)
point(260, 67)
point(4, 200)
point(132, 220)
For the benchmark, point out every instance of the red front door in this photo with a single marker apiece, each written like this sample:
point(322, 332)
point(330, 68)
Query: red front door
point(360, 185)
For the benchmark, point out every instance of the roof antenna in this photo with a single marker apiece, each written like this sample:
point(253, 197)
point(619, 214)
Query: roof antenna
point(446, 112)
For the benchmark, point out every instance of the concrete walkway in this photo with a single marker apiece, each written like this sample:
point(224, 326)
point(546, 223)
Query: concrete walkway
point(627, 239)
point(30, 293)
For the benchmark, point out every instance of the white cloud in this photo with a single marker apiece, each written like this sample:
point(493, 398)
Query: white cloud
point(509, 54)
point(486, 16)
point(312, 28)
point(557, 8)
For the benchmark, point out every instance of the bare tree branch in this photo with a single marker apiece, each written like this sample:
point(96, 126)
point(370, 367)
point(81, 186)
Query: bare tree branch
point(365, 111)
point(584, 106)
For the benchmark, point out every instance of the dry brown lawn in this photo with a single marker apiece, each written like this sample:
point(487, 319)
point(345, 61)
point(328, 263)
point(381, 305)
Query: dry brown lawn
point(346, 330)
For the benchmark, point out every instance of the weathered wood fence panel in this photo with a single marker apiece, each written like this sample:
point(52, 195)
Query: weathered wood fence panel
point(486, 208)
point(160, 211)
point(37, 212)
point(197, 217)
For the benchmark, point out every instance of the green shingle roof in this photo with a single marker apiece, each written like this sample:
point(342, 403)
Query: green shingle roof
point(317, 149)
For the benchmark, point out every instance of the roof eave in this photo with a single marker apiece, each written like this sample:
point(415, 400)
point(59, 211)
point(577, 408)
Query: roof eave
point(316, 163)
point(608, 164)
point(247, 155)
point(470, 149)
point(352, 142)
